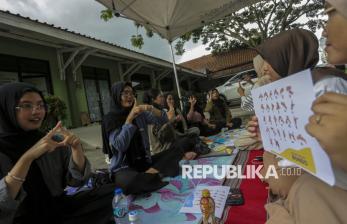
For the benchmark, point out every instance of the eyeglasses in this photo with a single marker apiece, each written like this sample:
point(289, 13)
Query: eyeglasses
point(30, 107)
point(128, 93)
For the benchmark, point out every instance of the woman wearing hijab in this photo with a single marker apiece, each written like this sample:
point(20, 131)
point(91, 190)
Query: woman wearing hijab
point(329, 109)
point(310, 200)
point(154, 97)
point(125, 139)
point(284, 44)
point(175, 114)
point(177, 119)
point(35, 168)
point(283, 55)
point(220, 115)
point(196, 118)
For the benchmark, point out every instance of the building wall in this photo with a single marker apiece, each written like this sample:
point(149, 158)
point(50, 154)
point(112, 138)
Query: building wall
point(73, 94)
point(34, 51)
point(111, 66)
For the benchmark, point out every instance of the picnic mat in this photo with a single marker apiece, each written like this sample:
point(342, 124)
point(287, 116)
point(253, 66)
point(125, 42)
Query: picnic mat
point(255, 195)
point(163, 205)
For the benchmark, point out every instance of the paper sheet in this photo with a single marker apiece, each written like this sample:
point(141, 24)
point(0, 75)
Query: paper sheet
point(283, 109)
point(218, 193)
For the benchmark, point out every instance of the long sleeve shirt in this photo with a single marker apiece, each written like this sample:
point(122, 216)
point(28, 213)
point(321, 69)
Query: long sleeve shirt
point(247, 103)
point(58, 169)
point(216, 115)
point(120, 138)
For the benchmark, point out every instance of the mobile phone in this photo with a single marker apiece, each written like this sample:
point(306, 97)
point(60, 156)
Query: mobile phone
point(235, 197)
point(259, 158)
point(58, 138)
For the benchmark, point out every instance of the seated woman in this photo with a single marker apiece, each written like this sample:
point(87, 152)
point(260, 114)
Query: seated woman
point(290, 45)
point(156, 98)
point(177, 119)
point(125, 137)
point(310, 200)
point(295, 61)
point(220, 115)
point(35, 168)
point(196, 118)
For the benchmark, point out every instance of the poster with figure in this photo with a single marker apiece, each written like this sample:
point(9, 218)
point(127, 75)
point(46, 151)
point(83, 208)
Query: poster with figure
point(282, 119)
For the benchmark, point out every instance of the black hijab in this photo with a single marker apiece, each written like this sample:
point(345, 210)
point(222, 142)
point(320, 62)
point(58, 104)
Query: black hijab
point(10, 130)
point(220, 104)
point(116, 117)
point(290, 51)
point(14, 142)
point(150, 96)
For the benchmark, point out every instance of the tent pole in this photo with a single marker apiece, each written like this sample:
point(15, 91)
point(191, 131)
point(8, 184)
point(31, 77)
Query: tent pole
point(176, 77)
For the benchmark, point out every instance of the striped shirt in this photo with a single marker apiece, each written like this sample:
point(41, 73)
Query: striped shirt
point(247, 103)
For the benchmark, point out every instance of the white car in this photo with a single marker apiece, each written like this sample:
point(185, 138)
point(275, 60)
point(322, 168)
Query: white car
point(228, 90)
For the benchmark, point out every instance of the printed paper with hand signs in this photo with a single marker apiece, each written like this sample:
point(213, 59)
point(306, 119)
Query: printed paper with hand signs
point(283, 109)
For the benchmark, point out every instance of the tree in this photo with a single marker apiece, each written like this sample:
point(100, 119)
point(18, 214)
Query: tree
point(250, 26)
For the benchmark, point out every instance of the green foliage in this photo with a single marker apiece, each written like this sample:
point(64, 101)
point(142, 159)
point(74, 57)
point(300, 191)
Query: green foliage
point(57, 111)
point(106, 15)
point(250, 26)
point(137, 41)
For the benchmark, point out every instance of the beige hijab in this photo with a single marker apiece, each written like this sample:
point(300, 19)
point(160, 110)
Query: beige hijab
point(258, 62)
point(290, 51)
point(340, 6)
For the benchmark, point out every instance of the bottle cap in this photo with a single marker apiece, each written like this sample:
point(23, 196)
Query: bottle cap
point(133, 216)
point(205, 193)
point(118, 191)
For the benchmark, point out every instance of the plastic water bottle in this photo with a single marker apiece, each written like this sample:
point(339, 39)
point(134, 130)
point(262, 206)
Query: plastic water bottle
point(120, 206)
point(134, 218)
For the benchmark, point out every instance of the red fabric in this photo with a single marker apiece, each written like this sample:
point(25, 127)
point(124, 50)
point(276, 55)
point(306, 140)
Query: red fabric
point(255, 196)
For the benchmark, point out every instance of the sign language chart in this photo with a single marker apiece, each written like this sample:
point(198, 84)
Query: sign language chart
point(283, 109)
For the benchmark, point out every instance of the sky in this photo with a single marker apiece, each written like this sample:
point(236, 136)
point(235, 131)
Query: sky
point(83, 16)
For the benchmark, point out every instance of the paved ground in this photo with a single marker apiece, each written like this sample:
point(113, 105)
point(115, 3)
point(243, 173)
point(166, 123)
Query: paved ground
point(92, 144)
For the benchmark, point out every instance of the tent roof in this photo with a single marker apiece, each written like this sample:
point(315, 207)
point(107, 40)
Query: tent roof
point(173, 18)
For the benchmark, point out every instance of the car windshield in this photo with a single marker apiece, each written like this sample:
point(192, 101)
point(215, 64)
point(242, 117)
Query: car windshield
point(240, 76)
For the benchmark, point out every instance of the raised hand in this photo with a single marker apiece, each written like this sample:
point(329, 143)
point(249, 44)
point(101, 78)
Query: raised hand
point(136, 111)
point(192, 101)
point(45, 144)
point(241, 90)
point(70, 139)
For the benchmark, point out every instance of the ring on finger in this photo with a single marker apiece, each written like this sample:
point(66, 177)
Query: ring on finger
point(318, 119)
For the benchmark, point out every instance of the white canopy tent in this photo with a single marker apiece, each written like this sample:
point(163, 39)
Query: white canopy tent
point(173, 18)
